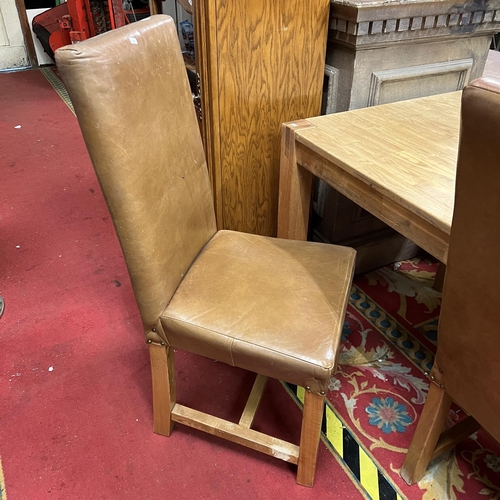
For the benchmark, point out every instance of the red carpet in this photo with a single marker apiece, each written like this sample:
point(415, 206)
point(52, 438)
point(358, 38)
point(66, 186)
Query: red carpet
point(76, 420)
point(74, 371)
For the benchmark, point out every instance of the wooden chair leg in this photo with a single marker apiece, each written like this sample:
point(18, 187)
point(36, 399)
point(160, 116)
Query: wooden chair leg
point(429, 428)
point(163, 379)
point(439, 279)
point(309, 438)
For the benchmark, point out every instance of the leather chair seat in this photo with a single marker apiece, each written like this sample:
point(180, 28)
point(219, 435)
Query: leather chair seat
point(281, 320)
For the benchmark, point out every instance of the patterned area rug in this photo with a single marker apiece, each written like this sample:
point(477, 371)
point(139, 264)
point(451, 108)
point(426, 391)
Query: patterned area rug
point(378, 393)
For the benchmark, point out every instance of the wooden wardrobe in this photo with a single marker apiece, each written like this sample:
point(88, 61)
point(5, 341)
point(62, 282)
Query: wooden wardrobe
point(260, 63)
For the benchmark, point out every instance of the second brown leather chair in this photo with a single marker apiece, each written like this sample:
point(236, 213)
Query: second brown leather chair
point(275, 307)
point(467, 365)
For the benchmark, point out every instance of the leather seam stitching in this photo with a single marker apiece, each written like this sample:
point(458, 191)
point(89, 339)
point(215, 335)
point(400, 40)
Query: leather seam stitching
point(233, 339)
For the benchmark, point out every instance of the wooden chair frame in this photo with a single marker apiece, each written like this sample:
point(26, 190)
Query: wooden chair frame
point(430, 440)
point(166, 411)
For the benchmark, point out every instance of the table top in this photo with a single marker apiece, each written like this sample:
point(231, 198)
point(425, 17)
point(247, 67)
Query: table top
point(405, 150)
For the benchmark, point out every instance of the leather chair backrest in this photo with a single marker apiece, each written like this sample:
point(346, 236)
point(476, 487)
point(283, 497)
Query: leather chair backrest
point(131, 95)
point(468, 357)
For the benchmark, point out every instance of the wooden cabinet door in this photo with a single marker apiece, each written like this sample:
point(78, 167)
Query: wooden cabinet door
point(261, 63)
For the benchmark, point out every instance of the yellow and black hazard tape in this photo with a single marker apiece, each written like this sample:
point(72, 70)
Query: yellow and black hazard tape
point(365, 473)
point(58, 86)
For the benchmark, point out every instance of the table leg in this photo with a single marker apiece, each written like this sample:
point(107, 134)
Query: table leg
point(439, 279)
point(295, 187)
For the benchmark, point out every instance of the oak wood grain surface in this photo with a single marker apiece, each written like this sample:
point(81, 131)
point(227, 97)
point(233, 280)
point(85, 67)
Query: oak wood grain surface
point(396, 160)
point(263, 64)
point(405, 150)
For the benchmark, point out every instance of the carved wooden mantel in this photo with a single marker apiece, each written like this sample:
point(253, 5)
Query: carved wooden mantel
point(369, 22)
point(445, 41)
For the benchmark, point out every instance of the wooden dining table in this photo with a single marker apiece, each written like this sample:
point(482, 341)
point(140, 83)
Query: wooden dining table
point(397, 161)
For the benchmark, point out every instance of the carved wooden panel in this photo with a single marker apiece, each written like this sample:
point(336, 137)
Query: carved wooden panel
point(418, 81)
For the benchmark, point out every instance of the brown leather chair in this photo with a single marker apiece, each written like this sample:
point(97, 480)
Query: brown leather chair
point(275, 307)
point(467, 365)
